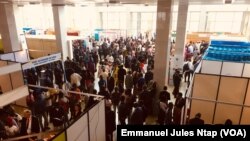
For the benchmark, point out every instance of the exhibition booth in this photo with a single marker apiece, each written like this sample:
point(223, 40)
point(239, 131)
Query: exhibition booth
point(42, 45)
point(221, 84)
point(12, 84)
point(89, 126)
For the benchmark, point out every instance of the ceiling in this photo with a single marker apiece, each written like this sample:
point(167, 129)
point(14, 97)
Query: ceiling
point(100, 2)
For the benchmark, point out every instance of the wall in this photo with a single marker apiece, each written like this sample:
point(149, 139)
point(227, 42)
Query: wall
point(202, 18)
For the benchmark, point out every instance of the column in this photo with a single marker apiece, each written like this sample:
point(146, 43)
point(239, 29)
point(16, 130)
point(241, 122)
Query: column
point(60, 29)
point(8, 28)
point(181, 34)
point(162, 47)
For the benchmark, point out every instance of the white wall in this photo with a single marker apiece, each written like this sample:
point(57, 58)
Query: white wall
point(218, 18)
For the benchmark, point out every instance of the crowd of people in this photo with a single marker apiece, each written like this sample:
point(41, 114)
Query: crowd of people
point(120, 70)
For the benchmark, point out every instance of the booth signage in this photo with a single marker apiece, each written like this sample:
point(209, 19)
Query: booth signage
point(42, 61)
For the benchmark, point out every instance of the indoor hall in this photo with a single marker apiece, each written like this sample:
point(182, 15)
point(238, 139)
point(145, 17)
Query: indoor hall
point(195, 47)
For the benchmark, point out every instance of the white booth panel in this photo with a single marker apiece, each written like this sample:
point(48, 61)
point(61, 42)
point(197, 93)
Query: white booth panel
point(8, 56)
point(101, 125)
point(97, 122)
point(21, 56)
point(211, 67)
point(232, 69)
point(79, 130)
point(246, 72)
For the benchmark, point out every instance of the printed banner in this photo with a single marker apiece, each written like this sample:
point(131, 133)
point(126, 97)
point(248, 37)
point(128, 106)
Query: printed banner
point(42, 61)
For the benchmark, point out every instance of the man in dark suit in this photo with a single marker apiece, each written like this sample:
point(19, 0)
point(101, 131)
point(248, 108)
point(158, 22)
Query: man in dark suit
point(29, 124)
point(196, 120)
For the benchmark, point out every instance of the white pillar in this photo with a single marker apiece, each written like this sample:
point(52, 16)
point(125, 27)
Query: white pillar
point(60, 28)
point(181, 34)
point(162, 47)
point(8, 28)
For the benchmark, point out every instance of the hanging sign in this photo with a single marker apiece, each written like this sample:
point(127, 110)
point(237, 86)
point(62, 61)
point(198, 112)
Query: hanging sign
point(42, 61)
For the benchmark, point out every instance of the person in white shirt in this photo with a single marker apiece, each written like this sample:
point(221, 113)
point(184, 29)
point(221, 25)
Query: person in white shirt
point(75, 78)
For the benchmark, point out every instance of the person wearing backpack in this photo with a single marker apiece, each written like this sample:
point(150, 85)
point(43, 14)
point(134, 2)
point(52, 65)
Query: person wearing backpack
point(186, 71)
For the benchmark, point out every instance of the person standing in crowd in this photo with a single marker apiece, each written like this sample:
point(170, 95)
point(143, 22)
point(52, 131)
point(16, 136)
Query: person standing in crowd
point(186, 71)
point(196, 120)
point(77, 112)
point(138, 116)
point(29, 124)
point(58, 72)
point(129, 80)
point(75, 78)
point(122, 111)
point(228, 122)
point(110, 83)
point(169, 114)
point(177, 82)
point(165, 95)
point(121, 74)
point(149, 76)
point(102, 83)
point(179, 103)
point(110, 123)
point(115, 98)
point(162, 110)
